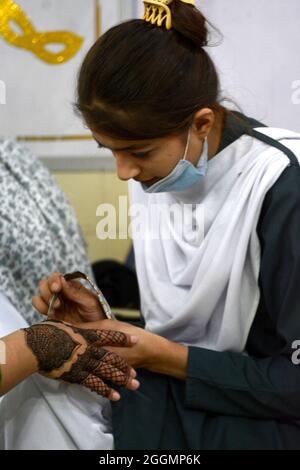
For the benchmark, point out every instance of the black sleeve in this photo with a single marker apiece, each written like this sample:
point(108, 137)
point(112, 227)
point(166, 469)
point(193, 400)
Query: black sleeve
point(261, 386)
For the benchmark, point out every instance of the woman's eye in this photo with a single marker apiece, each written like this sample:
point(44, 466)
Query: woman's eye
point(100, 146)
point(141, 155)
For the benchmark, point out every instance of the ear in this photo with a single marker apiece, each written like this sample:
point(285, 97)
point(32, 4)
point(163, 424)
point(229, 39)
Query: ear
point(203, 122)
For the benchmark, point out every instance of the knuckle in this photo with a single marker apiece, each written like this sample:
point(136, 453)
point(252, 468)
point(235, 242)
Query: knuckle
point(41, 282)
point(36, 302)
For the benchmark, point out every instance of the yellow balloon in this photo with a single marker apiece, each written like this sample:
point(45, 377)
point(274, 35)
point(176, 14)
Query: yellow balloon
point(34, 41)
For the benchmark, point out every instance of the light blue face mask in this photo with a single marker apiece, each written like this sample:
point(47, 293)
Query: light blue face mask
point(184, 175)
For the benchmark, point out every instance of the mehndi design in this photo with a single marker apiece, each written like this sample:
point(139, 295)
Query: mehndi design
point(76, 355)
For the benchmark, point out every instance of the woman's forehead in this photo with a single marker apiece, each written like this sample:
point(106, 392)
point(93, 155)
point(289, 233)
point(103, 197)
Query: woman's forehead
point(123, 145)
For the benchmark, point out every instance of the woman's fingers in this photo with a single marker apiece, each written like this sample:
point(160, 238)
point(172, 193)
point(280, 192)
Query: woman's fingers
point(115, 369)
point(77, 292)
point(50, 286)
point(115, 338)
point(111, 366)
point(47, 288)
point(133, 384)
point(117, 376)
point(97, 385)
point(39, 304)
point(114, 359)
point(44, 291)
point(55, 283)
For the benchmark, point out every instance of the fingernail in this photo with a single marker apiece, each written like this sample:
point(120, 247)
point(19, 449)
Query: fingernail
point(55, 286)
point(133, 373)
point(115, 396)
point(135, 384)
point(134, 339)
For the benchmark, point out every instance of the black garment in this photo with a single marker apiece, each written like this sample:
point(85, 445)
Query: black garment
point(118, 282)
point(231, 400)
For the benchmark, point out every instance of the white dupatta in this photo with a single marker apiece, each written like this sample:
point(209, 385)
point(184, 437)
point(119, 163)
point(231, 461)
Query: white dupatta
point(205, 292)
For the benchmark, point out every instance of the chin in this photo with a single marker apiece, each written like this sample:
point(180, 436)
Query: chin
point(150, 182)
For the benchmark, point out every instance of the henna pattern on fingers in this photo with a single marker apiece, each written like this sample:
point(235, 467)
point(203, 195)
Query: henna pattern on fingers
point(53, 346)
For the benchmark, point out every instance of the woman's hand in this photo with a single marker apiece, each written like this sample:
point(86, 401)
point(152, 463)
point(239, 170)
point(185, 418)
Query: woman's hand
point(76, 304)
point(144, 353)
point(81, 356)
point(152, 352)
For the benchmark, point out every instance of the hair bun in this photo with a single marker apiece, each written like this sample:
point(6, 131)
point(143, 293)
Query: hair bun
point(190, 23)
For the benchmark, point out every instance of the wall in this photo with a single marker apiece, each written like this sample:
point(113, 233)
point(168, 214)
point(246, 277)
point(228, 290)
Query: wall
point(258, 57)
point(86, 190)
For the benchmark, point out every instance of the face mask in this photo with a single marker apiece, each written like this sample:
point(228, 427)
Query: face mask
point(184, 175)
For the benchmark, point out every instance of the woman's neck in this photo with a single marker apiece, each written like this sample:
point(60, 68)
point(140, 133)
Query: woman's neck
point(216, 134)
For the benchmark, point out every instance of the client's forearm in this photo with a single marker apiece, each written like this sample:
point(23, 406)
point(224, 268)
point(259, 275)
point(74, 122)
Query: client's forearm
point(20, 362)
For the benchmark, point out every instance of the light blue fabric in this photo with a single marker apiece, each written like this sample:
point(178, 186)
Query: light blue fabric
point(184, 175)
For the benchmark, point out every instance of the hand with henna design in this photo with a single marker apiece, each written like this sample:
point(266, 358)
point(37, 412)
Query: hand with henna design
point(61, 351)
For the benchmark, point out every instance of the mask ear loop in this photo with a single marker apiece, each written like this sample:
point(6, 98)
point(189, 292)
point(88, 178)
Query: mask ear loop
point(187, 145)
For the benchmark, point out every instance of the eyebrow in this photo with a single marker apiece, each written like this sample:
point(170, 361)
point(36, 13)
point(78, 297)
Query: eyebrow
point(131, 147)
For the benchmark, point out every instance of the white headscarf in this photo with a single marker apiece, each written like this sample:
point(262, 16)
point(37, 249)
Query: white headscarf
point(205, 292)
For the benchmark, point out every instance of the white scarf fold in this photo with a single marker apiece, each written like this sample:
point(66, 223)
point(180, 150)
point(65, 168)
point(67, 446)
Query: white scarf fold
point(205, 292)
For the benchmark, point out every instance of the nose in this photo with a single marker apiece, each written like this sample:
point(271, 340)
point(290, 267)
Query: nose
point(126, 168)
